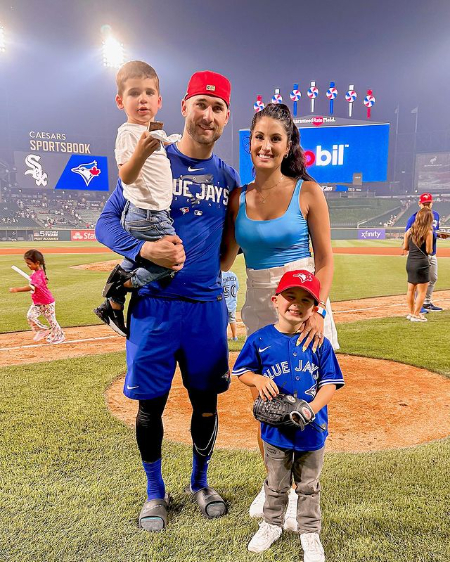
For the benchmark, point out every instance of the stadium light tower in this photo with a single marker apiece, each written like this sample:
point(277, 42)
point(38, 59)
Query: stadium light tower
point(113, 51)
point(2, 39)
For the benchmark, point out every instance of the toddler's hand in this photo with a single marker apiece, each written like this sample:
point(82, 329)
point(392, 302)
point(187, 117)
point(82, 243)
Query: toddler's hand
point(13, 290)
point(146, 145)
point(266, 387)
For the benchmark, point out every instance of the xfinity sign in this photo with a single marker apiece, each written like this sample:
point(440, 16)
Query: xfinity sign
point(335, 153)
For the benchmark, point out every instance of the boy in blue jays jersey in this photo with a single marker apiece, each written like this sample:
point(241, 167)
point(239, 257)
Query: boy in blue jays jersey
point(184, 321)
point(272, 362)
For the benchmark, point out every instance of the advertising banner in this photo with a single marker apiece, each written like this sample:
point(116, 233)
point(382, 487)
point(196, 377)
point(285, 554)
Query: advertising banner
point(41, 235)
point(371, 234)
point(82, 235)
point(334, 154)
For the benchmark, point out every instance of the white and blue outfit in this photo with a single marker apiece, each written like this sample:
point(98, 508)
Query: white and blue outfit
point(146, 215)
point(271, 248)
point(291, 453)
point(230, 284)
point(432, 259)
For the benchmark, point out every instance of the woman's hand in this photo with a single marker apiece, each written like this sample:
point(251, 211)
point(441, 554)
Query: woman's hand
point(266, 387)
point(311, 330)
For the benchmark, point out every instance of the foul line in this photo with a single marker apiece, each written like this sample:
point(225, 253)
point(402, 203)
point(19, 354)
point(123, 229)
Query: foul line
point(62, 343)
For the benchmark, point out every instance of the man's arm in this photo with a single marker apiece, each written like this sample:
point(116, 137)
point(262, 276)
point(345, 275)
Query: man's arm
point(109, 230)
point(167, 252)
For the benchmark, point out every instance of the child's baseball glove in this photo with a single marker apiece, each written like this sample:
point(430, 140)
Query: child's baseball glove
point(284, 410)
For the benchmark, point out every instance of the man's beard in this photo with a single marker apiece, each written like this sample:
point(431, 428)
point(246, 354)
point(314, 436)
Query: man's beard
point(201, 139)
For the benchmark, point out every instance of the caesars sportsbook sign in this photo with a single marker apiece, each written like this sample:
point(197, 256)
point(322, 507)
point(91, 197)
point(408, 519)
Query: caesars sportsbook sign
point(54, 160)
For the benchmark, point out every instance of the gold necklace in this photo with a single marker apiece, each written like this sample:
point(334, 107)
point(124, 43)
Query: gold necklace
point(264, 199)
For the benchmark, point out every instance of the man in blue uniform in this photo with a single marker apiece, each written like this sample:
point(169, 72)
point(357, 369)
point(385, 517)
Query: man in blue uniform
point(183, 321)
point(426, 200)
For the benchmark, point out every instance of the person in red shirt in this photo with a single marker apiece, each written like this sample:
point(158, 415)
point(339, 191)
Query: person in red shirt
point(43, 301)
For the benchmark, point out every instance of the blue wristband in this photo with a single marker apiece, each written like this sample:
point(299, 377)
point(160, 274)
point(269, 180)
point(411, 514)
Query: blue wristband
point(320, 310)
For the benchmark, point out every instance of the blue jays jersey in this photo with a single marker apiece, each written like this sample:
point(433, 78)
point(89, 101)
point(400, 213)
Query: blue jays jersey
point(412, 218)
point(200, 197)
point(230, 285)
point(272, 354)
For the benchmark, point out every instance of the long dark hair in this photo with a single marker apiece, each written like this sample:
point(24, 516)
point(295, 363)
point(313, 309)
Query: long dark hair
point(294, 165)
point(36, 257)
point(421, 226)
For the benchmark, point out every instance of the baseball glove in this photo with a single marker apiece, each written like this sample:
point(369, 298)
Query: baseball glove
point(284, 410)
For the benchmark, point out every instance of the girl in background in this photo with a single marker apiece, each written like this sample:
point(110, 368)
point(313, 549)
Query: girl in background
point(418, 242)
point(43, 301)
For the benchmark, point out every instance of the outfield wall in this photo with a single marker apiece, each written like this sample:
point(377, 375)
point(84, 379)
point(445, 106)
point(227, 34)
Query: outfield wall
point(88, 235)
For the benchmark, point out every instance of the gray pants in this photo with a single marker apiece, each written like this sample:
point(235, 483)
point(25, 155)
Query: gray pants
point(433, 278)
point(283, 466)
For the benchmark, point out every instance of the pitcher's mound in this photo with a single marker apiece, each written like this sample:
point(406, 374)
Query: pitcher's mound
point(383, 405)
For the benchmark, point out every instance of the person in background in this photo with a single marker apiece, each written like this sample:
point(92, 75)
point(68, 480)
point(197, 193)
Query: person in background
point(418, 242)
point(426, 200)
point(230, 284)
point(43, 301)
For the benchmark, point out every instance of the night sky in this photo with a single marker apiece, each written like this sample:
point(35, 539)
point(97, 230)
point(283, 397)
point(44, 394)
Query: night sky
point(52, 78)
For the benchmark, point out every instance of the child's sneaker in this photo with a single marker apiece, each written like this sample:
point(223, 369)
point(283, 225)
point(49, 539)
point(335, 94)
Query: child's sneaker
point(114, 284)
point(312, 547)
point(263, 539)
point(38, 336)
point(256, 509)
point(111, 317)
point(290, 517)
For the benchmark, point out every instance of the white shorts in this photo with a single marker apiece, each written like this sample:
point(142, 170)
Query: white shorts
point(258, 310)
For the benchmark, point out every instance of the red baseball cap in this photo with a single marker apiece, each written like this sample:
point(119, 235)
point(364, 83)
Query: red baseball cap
point(425, 198)
point(209, 83)
point(303, 279)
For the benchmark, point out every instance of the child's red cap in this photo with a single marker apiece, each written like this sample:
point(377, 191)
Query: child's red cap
point(209, 83)
point(303, 279)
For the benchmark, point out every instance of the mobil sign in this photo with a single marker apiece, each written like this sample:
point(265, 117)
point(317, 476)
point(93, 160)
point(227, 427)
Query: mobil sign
point(334, 153)
point(82, 235)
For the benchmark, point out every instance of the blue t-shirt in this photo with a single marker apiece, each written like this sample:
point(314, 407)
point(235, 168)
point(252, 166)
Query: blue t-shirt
point(200, 197)
point(435, 227)
point(272, 354)
point(230, 285)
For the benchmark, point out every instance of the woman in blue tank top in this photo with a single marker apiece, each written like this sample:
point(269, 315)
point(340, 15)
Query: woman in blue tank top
point(273, 220)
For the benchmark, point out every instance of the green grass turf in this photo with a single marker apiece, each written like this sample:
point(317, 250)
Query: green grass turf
point(77, 291)
point(362, 276)
point(72, 484)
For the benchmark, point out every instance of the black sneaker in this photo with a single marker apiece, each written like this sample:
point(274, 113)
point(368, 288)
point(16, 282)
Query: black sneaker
point(111, 317)
point(432, 307)
point(114, 284)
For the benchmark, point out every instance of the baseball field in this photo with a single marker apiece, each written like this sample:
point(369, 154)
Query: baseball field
point(71, 482)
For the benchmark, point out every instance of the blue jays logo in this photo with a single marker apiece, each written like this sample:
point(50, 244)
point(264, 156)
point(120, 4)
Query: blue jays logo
point(87, 171)
point(303, 277)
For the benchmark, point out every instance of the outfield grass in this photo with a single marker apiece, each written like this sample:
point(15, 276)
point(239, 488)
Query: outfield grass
point(78, 291)
point(70, 473)
point(72, 485)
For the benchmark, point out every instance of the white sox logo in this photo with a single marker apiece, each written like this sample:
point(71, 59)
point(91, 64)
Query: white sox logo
point(36, 172)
